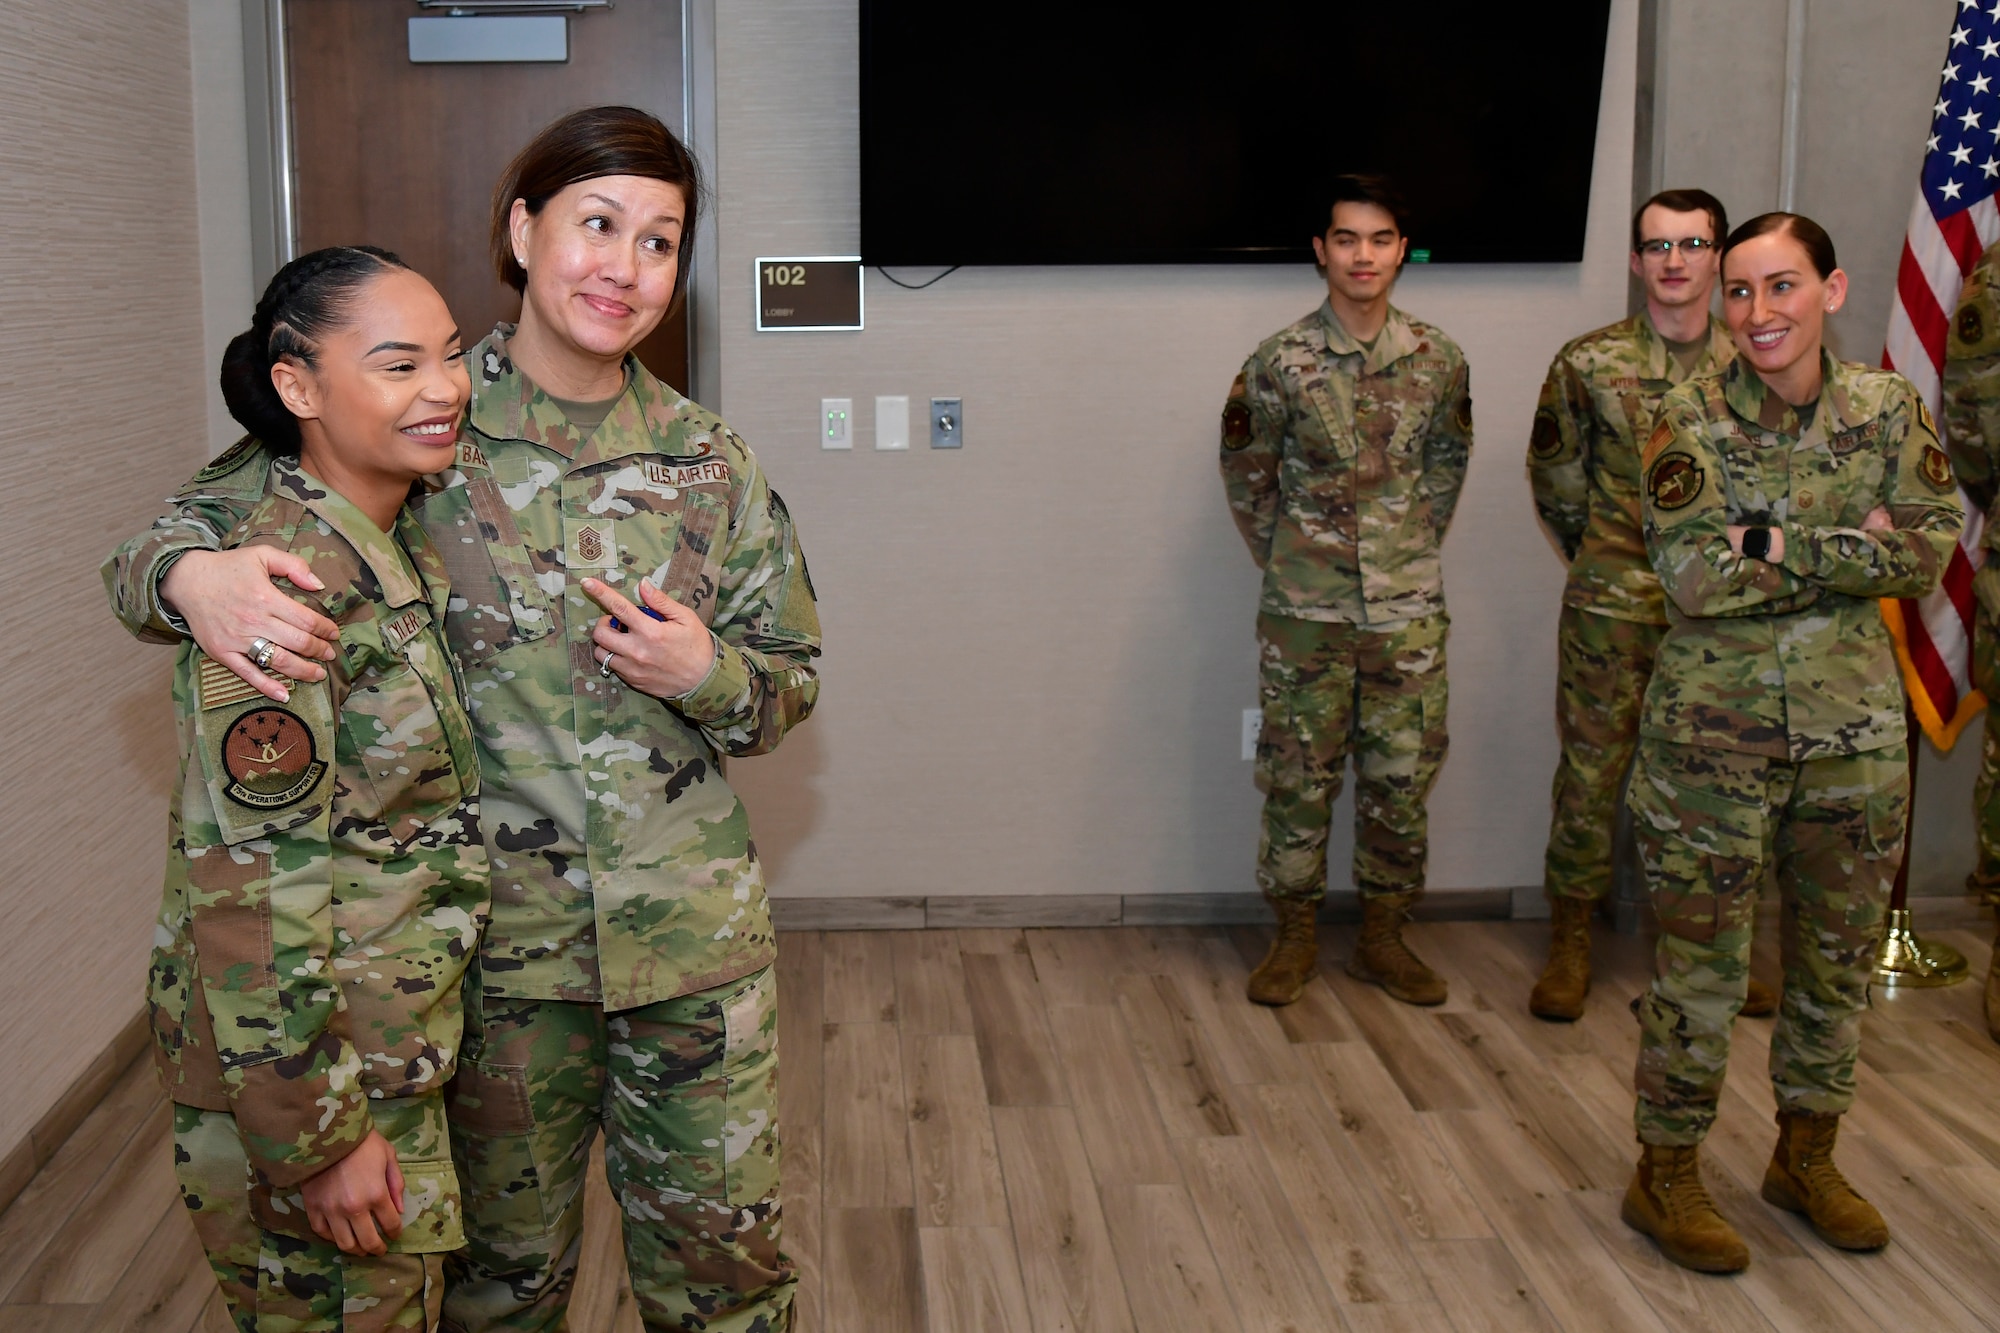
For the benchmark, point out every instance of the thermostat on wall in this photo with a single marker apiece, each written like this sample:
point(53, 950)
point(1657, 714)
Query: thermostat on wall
point(812, 294)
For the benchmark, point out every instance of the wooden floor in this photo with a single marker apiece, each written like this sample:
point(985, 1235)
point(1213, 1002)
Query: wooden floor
point(1001, 1131)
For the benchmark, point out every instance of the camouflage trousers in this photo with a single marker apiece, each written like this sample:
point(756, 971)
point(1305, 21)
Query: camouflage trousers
point(1328, 691)
point(686, 1091)
point(276, 1283)
point(1710, 824)
point(1986, 790)
point(1602, 667)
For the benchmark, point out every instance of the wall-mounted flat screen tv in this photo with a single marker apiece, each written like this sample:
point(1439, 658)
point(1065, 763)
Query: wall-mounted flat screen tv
point(1098, 133)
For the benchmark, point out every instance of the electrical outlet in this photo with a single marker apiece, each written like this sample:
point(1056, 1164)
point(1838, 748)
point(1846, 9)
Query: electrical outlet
point(1253, 727)
point(836, 423)
point(947, 423)
point(892, 422)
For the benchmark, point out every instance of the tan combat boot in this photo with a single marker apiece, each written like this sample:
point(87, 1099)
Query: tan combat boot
point(1294, 956)
point(1667, 1201)
point(1566, 978)
point(1993, 992)
point(1381, 957)
point(1761, 1002)
point(1803, 1179)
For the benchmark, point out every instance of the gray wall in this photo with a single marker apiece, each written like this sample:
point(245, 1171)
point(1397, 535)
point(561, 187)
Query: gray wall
point(1039, 647)
point(101, 415)
point(1871, 72)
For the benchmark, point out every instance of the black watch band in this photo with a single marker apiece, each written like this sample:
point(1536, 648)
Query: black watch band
point(1757, 543)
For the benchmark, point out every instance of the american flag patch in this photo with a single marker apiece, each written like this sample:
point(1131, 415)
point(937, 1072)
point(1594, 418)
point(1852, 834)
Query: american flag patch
point(220, 687)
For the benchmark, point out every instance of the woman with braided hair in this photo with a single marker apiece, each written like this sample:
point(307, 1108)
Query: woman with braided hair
point(326, 884)
point(629, 604)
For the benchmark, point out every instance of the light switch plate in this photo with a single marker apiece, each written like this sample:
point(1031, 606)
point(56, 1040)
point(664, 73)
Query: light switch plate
point(836, 423)
point(947, 423)
point(892, 422)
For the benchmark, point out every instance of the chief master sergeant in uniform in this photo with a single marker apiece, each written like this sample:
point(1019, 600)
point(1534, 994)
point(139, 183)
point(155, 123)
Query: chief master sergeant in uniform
point(1596, 410)
point(1344, 446)
point(1972, 435)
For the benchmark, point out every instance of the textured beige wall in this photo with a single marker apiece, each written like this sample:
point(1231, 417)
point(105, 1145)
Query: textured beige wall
point(101, 412)
point(1039, 648)
point(1871, 71)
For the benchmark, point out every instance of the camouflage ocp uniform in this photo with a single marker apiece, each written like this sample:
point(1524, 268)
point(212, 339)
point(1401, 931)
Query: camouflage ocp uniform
point(1972, 436)
point(625, 885)
point(1343, 463)
point(1773, 732)
point(325, 891)
point(1596, 412)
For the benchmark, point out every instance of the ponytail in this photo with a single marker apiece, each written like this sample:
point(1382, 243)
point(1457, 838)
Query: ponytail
point(304, 302)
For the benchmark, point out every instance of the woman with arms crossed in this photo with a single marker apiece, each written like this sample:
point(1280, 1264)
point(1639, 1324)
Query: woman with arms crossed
point(627, 974)
point(326, 883)
point(1782, 497)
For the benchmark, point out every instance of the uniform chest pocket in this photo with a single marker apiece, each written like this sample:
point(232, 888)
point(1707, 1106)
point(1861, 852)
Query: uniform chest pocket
point(1837, 489)
point(692, 572)
point(1328, 427)
point(400, 768)
point(496, 602)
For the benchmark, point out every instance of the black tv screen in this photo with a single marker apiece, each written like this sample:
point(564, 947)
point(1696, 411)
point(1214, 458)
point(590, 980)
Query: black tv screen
point(1096, 133)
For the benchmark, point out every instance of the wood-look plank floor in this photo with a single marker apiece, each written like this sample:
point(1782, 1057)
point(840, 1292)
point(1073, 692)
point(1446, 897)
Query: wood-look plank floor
point(1003, 1131)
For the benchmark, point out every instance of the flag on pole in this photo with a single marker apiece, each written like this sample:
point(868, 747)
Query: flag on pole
point(1955, 218)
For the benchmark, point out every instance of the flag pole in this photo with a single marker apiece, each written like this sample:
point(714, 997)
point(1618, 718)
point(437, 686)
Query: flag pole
point(1905, 958)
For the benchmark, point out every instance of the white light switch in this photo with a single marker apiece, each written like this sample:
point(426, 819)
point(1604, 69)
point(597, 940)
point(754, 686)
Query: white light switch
point(836, 423)
point(892, 422)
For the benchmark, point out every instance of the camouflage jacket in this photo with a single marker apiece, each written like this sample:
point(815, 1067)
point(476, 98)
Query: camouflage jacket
point(623, 870)
point(1595, 414)
point(1343, 466)
point(1972, 408)
point(1791, 659)
point(325, 882)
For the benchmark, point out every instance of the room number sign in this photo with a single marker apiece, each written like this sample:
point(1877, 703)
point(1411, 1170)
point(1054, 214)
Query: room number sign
point(807, 294)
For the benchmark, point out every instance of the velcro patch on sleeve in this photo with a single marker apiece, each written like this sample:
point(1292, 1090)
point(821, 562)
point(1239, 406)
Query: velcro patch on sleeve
point(220, 687)
point(1936, 469)
point(1675, 481)
point(1235, 425)
point(1546, 441)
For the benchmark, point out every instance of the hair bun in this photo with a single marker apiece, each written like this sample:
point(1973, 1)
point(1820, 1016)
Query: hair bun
point(304, 301)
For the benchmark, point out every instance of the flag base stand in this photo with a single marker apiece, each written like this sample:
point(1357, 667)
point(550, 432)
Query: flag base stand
point(1908, 960)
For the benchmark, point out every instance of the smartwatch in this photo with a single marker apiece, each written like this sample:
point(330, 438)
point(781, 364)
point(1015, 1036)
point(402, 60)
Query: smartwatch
point(1757, 543)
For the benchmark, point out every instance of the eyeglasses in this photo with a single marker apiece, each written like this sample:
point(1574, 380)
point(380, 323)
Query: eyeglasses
point(1689, 247)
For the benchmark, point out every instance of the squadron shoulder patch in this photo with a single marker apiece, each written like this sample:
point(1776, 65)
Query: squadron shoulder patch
point(1675, 481)
point(1971, 324)
point(1935, 468)
point(270, 760)
point(235, 456)
point(1235, 426)
point(1463, 413)
point(1546, 442)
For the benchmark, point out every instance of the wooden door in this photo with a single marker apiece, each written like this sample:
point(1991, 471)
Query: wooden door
point(406, 156)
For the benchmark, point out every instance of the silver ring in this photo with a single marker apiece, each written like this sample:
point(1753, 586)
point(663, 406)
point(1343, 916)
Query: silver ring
point(604, 667)
point(261, 652)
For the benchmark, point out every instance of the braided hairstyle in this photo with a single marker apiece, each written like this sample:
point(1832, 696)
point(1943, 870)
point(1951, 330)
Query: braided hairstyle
point(306, 300)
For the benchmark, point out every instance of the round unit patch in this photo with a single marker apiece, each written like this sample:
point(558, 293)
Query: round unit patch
point(1971, 324)
point(1235, 426)
point(1675, 481)
point(270, 759)
point(1936, 468)
point(1547, 440)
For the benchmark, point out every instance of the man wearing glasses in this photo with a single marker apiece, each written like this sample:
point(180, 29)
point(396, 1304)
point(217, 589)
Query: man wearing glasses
point(1596, 410)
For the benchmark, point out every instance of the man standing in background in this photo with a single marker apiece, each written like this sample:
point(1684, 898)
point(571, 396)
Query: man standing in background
point(1345, 441)
point(1972, 436)
point(1596, 410)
